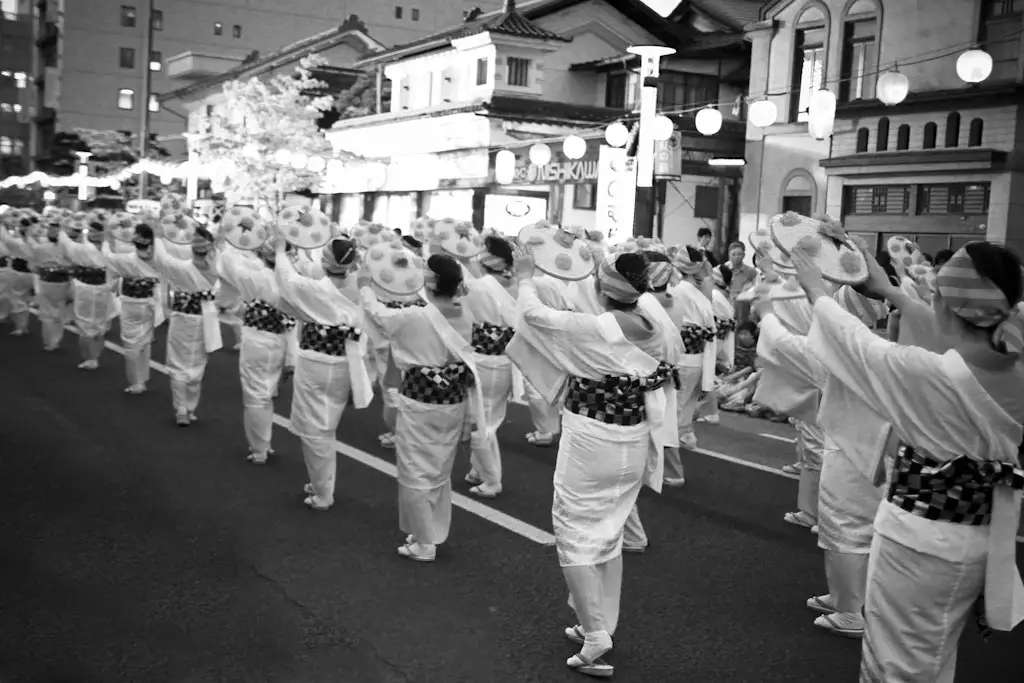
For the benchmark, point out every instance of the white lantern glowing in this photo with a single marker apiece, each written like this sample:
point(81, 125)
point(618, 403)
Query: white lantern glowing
point(504, 167)
point(115, 185)
point(251, 150)
point(708, 121)
point(763, 113)
point(316, 164)
point(892, 88)
point(574, 147)
point(282, 157)
point(540, 154)
point(166, 179)
point(821, 114)
point(298, 161)
point(662, 128)
point(974, 66)
point(617, 135)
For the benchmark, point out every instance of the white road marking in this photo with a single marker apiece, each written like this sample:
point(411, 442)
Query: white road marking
point(784, 439)
point(745, 463)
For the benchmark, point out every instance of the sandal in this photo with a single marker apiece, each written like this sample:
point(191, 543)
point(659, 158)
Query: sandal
point(800, 519)
point(540, 438)
point(792, 469)
point(313, 505)
point(820, 604)
point(576, 635)
point(597, 667)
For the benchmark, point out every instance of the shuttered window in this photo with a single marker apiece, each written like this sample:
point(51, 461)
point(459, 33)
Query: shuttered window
point(874, 200)
point(960, 199)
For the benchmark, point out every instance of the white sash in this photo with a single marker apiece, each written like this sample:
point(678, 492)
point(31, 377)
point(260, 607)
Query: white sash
point(454, 342)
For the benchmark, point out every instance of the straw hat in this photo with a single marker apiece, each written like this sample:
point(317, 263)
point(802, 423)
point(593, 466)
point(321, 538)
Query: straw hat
point(306, 228)
point(457, 238)
point(421, 228)
point(825, 241)
point(178, 228)
point(173, 203)
point(367, 234)
point(394, 269)
point(242, 228)
point(557, 252)
point(775, 287)
point(904, 253)
point(78, 222)
point(761, 241)
point(122, 225)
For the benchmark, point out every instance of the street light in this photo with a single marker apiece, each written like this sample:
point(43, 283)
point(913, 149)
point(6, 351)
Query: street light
point(83, 173)
point(650, 69)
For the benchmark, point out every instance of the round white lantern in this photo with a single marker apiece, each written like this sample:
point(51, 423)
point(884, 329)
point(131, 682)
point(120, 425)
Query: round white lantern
point(540, 154)
point(574, 147)
point(251, 150)
point(708, 121)
point(893, 87)
point(662, 128)
point(316, 164)
point(166, 179)
point(821, 114)
point(115, 185)
point(974, 66)
point(504, 167)
point(283, 157)
point(763, 113)
point(299, 160)
point(617, 135)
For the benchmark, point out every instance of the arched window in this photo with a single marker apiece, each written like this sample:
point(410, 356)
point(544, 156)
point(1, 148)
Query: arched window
point(799, 193)
point(931, 131)
point(862, 139)
point(882, 142)
point(859, 62)
point(810, 41)
point(953, 129)
point(975, 134)
point(903, 137)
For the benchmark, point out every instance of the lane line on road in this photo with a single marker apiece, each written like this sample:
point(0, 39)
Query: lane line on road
point(745, 463)
point(784, 439)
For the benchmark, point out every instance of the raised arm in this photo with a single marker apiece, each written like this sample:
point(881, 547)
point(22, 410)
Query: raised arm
point(788, 352)
point(388, 320)
point(542, 318)
point(310, 299)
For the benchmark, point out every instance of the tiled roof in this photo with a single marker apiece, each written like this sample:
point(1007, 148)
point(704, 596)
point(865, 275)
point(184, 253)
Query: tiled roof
point(733, 13)
point(511, 23)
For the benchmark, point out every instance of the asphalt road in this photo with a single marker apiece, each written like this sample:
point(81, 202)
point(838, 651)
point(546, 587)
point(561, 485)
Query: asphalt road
point(136, 551)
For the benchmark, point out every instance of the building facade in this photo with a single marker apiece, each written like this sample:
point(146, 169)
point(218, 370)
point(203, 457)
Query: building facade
point(540, 72)
point(939, 166)
point(15, 67)
point(91, 61)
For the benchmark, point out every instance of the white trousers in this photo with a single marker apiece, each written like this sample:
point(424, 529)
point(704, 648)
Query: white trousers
point(494, 373)
point(186, 360)
point(320, 390)
point(547, 418)
point(52, 299)
point(260, 364)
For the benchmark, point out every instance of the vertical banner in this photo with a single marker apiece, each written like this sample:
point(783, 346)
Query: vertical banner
point(668, 157)
point(616, 194)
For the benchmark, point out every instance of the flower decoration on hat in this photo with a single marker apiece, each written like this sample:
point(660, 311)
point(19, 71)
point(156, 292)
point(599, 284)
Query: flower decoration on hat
point(243, 228)
point(79, 222)
point(825, 241)
point(178, 228)
point(393, 269)
point(557, 252)
point(306, 228)
point(122, 225)
point(173, 203)
point(457, 238)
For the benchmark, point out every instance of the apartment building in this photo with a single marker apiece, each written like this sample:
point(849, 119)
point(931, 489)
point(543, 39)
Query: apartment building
point(15, 65)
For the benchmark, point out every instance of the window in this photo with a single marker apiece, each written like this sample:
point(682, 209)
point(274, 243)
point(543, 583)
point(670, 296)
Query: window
point(874, 200)
point(622, 90)
point(518, 72)
point(21, 79)
point(798, 193)
point(882, 142)
point(156, 61)
point(236, 31)
point(975, 133)
point(127, 16)
point(481, 71)
point(903, 137)
point(127, 59)
point(800, 205)
point(808, 61)
point(154, 102)
point(930, 133)
point(415, 14)
point(398, 12)
point(862, 139)
point(6, 107)
point(1000, 35)
point(218, 28)
point(960, 199)
point(5, 146)
point(584, 197)
point(157, 20)
point(953, 129)
point(125, 98)
point(686, 90)
point(859, 57)
point(705, 201)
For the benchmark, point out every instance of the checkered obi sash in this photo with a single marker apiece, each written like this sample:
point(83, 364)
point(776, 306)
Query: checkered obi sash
point(724, 326)
point(20, 265)
point(440, 386)
point(89, 276)
point(260, 315)
point(191, 303)
point(696, 337)
point(54, 274)
point(139, 287)
point(405, 304)
point(327, 339)
point(4, 261)
point(616, 400)
point(491, 340)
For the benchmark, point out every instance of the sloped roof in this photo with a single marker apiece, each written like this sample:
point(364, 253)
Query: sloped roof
point(510, 23)
point(732, 13)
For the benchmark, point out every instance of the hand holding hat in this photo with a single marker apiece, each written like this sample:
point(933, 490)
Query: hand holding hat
point(304, 227)
point(242, 228)
point(824, 241)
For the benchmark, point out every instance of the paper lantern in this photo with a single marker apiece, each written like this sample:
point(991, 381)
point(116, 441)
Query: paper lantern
point(574, 147)
point(298, 161)
point(540, 154)
point(616, 135)
point(974, 66)
point(708, 121)
point(662, 128)
point(893, 87)
point(283, 157)
point(504, 167)
point(316, 164)
point(821, 114)
point(763, 113)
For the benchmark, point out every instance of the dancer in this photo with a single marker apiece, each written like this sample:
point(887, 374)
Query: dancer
point(54, 287)
point(329, 367)
point(95, 304)
point(6, 279)
point(547, 416)
point(21, 278)
point(491, 303)
point(431, 346)
point(194, 328)
point(264, 341)
point(944, 537)
point(611, 441)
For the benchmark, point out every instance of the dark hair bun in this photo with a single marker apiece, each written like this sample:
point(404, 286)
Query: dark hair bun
point(500, 247)
point(633, 267)
point(449, 274)
point(999, 265)
point(343, 250)
point(656, 257)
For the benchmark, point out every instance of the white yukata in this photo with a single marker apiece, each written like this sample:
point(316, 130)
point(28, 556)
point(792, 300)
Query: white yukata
point(329, 369)
point(53, 288)
point(230, 302)
point(925, 576)
point(547, 416)
point(602, 462)
point(694, 316)
point(193, 330)
point(142, 311)
point(264, 344)
point(95, 303)
point(20, 280)
point(6, 278)
point(433, 352)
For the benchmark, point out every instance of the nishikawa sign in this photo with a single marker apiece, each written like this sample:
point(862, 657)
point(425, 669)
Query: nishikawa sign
point(561, 170)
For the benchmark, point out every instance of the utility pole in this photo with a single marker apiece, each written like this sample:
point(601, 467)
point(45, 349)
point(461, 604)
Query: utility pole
point(147, 87)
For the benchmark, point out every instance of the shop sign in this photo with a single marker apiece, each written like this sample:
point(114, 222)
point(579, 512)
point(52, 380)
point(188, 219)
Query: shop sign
point(616, 194)
point(560, 171)
point(668, 157)
point(142, 206)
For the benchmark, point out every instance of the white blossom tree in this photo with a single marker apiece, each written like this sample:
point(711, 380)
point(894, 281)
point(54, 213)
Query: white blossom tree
point(259, 119)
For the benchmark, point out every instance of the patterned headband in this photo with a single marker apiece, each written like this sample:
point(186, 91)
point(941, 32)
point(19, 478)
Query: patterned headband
point(868, 310)
point(978, 301)
point(335, 266)
point(685, 264)
point(613, 285)
point(662, 274)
